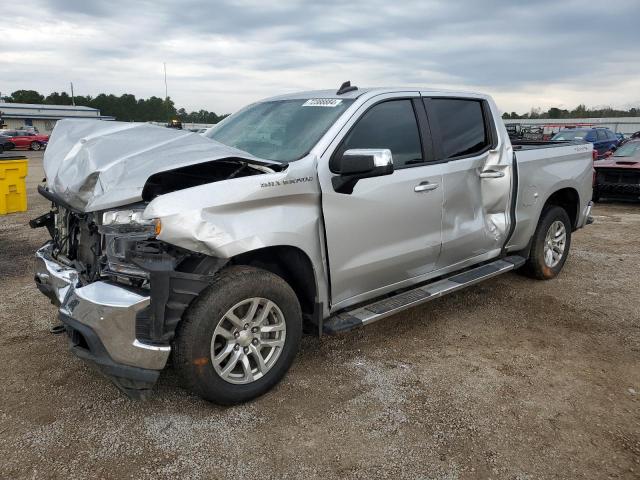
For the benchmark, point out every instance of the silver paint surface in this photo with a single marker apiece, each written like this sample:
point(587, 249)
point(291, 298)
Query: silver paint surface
point(95, 165)
point(383, 237)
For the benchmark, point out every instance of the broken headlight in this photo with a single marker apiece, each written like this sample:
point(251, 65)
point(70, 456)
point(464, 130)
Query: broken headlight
point(130, 220)
point(122, 230)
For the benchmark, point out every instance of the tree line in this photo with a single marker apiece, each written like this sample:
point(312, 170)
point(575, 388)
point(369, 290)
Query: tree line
point(126, 107)
point(580, 111)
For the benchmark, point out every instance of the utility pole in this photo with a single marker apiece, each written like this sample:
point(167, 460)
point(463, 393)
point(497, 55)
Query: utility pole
point(166, 94)
point(73, 101)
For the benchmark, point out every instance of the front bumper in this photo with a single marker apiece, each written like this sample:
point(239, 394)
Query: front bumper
point(101, 321)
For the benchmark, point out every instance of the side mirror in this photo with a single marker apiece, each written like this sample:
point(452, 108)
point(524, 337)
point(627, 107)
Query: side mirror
point(356, 164)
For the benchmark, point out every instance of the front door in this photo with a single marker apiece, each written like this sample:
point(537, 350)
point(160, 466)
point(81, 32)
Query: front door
point(477, 180)
point(386, 231)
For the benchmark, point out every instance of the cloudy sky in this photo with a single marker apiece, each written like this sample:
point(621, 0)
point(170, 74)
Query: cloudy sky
point(221, 55)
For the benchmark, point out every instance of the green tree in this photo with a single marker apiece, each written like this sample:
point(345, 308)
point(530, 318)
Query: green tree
point(25, 96)
point(56, 98)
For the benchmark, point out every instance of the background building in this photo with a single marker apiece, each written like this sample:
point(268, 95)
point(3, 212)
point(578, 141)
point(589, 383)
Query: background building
point(43, 117)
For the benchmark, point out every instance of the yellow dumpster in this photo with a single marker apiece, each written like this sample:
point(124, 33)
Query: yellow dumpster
point(13, 187)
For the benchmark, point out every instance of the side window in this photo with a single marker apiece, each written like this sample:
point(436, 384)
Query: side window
point(602, 135)
point(462, 126)
point(391, 125)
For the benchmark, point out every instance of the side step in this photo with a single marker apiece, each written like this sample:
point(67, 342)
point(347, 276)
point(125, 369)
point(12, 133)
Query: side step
point(362, 315)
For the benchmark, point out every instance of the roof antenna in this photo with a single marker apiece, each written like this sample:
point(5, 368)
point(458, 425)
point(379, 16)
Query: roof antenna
point(346, 88)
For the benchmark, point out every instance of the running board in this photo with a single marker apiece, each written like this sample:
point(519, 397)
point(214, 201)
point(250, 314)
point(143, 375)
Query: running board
point(363, 315)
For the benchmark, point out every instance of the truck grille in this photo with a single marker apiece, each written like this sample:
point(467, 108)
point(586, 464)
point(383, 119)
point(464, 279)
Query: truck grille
point(626, 177)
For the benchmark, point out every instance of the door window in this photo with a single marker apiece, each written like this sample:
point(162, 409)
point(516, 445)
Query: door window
point(463, 131)
point(602, 135)
point(391, 125)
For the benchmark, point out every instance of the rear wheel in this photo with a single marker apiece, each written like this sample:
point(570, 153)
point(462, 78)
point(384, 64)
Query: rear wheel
point(240, 336)
point(550, 246)
point(35, 146)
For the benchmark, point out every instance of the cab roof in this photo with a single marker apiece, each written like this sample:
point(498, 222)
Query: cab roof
point(369, 92)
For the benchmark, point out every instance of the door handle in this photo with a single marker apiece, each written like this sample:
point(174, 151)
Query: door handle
point(425, 187)
point(491, 174)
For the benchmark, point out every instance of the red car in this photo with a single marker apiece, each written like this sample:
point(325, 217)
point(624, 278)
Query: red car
point(24, 139)
point(619, 174)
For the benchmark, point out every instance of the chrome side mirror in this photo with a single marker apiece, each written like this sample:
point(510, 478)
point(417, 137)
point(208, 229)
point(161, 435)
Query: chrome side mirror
point(359, 163)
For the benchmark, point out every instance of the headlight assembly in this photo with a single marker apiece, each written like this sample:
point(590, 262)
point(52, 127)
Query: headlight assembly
point(130, 220)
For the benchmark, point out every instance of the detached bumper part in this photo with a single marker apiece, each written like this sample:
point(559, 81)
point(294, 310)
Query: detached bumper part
point(588, 217)
point(101, 321)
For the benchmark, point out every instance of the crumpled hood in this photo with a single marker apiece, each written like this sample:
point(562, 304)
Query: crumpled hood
point(93, 165)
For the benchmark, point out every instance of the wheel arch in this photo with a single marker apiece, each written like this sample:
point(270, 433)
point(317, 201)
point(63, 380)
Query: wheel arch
point(293, 265)
point(567, 198)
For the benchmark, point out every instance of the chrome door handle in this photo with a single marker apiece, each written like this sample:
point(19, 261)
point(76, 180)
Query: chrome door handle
point(491, 174)
point(425, 187)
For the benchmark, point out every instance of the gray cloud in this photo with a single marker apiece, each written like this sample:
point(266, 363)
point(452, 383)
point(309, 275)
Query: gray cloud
point(226, 53)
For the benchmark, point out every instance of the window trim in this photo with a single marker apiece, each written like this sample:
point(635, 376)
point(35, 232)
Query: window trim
point(427, 150)
point(490, 130)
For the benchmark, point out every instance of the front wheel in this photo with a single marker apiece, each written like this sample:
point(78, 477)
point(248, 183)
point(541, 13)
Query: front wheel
point(239, 337)
point(35, 146)
point(550, 246)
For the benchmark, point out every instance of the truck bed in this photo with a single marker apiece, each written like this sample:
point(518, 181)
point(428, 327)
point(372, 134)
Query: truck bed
point(549, 166)
point(519, 145)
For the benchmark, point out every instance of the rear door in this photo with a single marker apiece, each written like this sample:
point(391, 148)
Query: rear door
point(477, 180)
point(386, 233)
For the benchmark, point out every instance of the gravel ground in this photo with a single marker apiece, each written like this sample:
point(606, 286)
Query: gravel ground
point(510, 379)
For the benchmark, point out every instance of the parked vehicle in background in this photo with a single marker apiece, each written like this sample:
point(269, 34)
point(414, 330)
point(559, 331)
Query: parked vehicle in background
point(603, 139)
point(620, 137)
point(5, 143)
point(525, 132)
point(618, 176)
point(25, 139)
point(317, 211)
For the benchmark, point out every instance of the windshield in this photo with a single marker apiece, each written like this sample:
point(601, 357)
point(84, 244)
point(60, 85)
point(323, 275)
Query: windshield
point(570, 135)
point(281, 130)
point(631, 149)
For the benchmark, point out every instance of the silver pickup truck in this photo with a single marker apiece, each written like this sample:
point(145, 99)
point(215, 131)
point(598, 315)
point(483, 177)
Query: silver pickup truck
point(313, 212)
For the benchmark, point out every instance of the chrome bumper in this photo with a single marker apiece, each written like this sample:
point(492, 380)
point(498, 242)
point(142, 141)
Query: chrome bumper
point(106, 309)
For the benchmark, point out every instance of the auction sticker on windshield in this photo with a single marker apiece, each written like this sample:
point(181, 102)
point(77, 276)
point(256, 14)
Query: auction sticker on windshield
point(322, 102)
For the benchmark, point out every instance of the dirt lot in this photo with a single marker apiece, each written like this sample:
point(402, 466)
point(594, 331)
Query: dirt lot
point(511, 379)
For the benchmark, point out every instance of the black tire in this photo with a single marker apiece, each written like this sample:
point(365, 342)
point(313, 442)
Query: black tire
point(192, 344)
point(536, 267)
point(1, 149)
point(35, 146)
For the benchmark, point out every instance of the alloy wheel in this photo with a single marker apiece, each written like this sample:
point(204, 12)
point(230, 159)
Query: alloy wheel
point(248, 340)
point(555, 243)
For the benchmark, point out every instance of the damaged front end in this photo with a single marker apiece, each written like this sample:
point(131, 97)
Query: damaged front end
point(120, 291)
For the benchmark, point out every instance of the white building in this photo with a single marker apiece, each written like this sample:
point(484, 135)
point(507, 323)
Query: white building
point(43, 117)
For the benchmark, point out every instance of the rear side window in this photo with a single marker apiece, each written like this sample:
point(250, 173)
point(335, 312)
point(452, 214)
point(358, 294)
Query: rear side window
point(389, 125)
point(462, 126)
